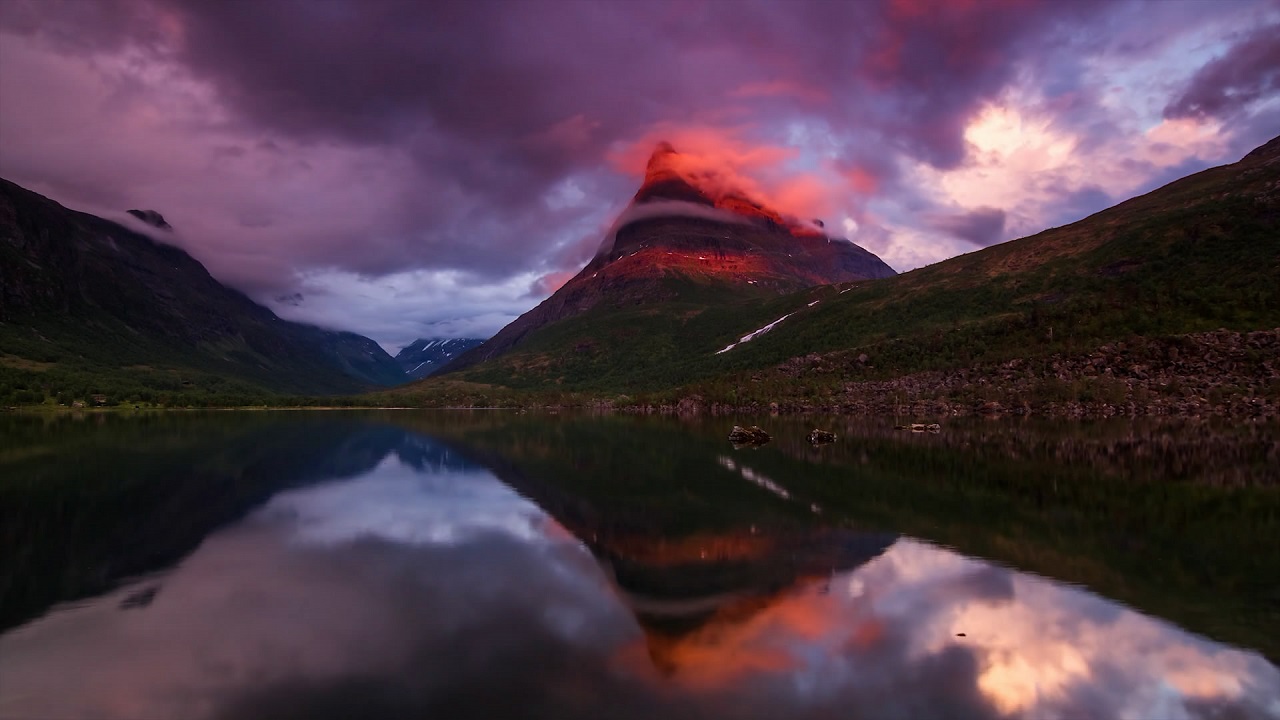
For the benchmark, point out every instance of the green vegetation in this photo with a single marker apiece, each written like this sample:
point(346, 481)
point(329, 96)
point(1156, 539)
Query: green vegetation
point(637, 347)
point(74, 360)
point(1182, 271)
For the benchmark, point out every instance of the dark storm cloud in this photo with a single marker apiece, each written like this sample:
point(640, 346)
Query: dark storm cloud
point(982, 227)
point(504, 103)
point(1249, 70)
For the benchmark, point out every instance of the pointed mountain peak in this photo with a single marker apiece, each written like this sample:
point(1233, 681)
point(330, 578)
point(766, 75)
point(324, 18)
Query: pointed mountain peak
point(152, 218)
point(672, 175)
point(663, 179)
point(660, 155)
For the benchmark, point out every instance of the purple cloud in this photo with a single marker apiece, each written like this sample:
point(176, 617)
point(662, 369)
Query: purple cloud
point(1248, 71)
point(982, 227)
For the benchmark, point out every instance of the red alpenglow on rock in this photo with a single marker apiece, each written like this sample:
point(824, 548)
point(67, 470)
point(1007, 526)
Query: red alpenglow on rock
point(691, 222)
point(688, 215)
point(671, 175)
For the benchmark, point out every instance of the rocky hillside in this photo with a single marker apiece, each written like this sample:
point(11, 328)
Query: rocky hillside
point(1200, 375)
point(90, 304)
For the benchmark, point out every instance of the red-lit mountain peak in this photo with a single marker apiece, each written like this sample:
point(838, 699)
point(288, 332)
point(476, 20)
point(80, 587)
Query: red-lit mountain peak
point(691, 222)
point(671, 175)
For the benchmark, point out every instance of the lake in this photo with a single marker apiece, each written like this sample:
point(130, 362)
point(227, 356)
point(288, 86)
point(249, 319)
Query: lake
point(473, 564)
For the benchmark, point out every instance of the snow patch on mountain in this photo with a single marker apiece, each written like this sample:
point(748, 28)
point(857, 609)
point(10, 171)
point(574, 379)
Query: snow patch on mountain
point(753, 335)
point(425, 356)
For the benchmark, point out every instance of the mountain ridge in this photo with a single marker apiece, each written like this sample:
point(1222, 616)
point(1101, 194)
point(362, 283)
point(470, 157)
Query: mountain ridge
point(89, 296)
point(424, 356)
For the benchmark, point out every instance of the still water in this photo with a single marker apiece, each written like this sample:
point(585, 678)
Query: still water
point(488, 565)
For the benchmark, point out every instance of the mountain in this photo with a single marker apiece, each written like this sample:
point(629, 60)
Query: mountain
point(355, 355)
point(1095, 311)
point(427, 355)
point(152, 218)
point(88, 306)
point(689, 239)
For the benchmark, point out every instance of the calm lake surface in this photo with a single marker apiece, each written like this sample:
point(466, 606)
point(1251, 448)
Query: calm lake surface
point(494, 564)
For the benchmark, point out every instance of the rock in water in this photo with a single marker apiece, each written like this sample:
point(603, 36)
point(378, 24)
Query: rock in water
point(748, 436)
point(821, 437)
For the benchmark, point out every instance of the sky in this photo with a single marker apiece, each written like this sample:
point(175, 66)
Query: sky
point(410, 169)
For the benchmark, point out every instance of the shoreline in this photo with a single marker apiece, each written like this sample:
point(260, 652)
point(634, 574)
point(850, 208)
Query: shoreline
point(1220, 374)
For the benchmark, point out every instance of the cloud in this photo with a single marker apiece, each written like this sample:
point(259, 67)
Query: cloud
point(551, 282)
point(1248, 71)
point(665, 208)
point(982, 226)
point(446, 303)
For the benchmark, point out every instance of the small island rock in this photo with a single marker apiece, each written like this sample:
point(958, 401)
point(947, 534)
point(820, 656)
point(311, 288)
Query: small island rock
point(821, 437)
point(748, 436)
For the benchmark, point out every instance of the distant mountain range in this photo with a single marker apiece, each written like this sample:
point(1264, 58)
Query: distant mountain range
point(737, 304)
point(425, 356)
point(90, 307)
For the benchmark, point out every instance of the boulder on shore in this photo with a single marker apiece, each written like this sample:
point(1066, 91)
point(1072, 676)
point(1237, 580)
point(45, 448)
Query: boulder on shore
point(748, 436)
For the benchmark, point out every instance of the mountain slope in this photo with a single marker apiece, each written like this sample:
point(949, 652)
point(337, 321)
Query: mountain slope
point(425, 356)
point(687, 240)
point(355, 355)
point(1198, 254)
point(88, 302)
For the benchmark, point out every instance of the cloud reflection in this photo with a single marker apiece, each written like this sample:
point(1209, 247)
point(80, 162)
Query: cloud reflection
point(400, 504)
point(1040, 649)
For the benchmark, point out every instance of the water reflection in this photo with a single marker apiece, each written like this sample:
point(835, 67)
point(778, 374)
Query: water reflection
point(426, 586)
point(922, 619)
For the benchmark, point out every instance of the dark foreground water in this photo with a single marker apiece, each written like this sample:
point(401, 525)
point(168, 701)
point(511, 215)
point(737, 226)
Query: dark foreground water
point(489, 565)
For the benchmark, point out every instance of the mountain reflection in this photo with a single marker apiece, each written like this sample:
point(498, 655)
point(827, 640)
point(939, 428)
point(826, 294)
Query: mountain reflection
point(469, 578)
